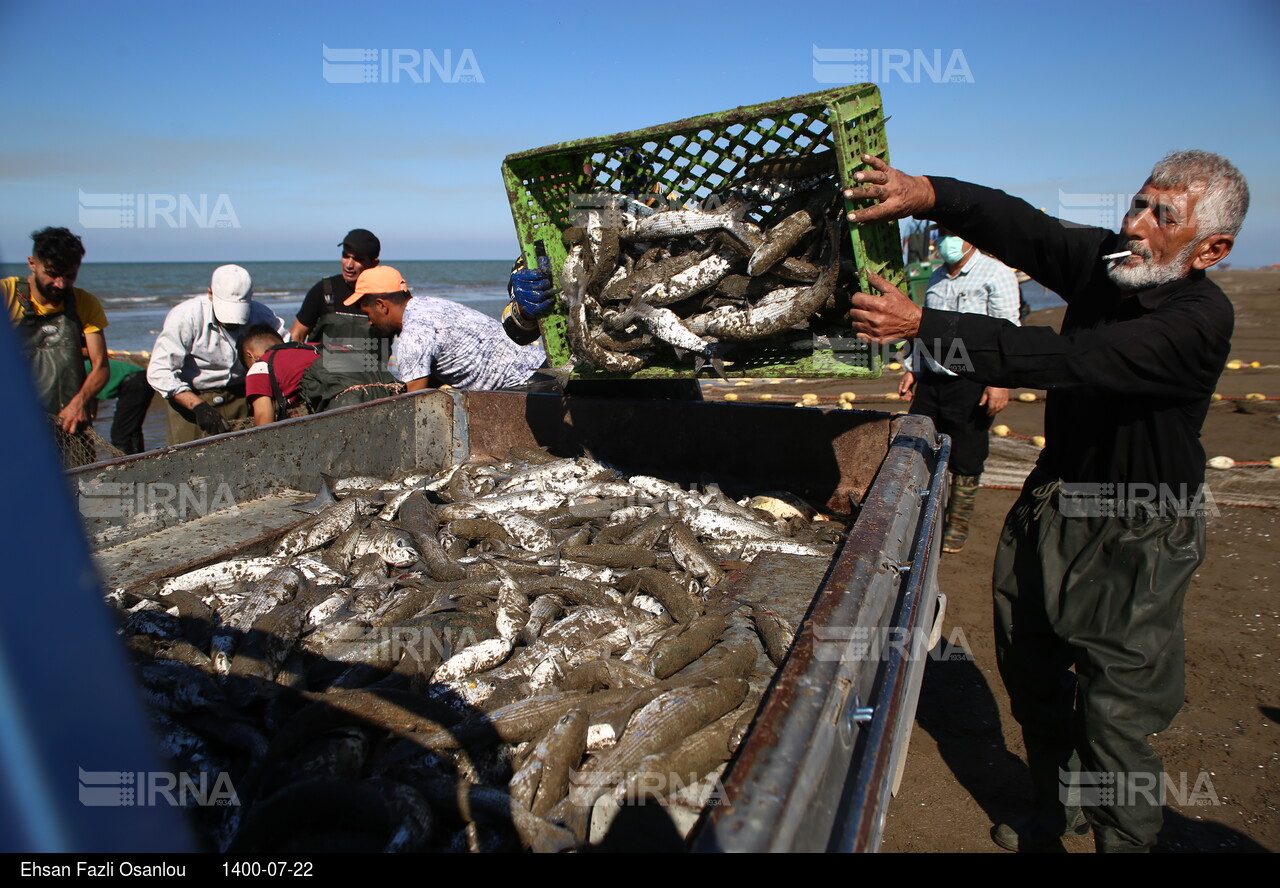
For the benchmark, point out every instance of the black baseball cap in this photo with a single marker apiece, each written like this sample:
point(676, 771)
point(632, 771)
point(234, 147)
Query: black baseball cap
point(362, 242)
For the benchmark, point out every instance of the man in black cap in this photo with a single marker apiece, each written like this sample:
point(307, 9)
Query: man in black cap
point(353, 355)
point(360, 250)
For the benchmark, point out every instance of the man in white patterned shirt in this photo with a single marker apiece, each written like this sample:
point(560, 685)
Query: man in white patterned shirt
point(973, 282)
point(442, 342)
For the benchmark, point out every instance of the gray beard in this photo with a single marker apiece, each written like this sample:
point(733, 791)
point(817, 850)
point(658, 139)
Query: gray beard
point(1146, 275)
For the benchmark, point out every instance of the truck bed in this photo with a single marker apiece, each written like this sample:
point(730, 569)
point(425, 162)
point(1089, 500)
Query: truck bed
point(818, 766)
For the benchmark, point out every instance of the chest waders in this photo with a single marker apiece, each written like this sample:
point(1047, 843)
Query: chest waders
point(52, 343)
point(352, 367)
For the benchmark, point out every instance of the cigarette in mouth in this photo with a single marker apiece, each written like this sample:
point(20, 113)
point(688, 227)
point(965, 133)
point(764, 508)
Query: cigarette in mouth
point(1111, 256)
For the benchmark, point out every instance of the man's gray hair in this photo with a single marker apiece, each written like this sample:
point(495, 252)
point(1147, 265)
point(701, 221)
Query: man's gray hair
point(1225, 194)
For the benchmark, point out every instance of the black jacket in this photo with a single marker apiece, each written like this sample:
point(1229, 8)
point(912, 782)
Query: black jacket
point(1130, 376)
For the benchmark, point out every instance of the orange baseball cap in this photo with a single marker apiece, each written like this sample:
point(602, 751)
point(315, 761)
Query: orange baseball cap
point(377, 280)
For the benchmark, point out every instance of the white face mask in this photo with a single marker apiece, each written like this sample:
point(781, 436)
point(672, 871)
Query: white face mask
point(951, 249)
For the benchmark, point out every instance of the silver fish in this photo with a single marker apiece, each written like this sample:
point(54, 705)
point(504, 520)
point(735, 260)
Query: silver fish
point(780, 310)
point(481, 656)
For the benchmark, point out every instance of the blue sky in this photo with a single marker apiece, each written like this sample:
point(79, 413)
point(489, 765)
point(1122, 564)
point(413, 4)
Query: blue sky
point(1068, 105)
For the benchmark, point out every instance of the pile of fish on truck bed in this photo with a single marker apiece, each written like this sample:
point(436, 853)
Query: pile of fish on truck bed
point(468, 660)
point(695, 283)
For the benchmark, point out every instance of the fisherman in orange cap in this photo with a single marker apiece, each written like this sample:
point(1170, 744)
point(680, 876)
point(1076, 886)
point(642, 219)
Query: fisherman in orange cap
point(442, 342)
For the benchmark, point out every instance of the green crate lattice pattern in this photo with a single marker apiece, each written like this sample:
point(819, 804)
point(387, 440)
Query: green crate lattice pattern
point(691, 161)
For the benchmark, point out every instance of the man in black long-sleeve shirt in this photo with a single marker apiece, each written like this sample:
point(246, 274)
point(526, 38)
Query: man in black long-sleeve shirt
point(1097, 553)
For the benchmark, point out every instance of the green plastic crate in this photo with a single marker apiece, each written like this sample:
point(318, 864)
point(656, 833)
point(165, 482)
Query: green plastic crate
point(690, 160)
point(918, 275)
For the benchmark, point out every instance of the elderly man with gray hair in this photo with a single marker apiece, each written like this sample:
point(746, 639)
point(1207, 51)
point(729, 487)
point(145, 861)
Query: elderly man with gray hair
point(1097, 553)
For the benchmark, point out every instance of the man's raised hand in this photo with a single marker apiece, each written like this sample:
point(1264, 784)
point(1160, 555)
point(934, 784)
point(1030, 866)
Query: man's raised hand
point(896, 194)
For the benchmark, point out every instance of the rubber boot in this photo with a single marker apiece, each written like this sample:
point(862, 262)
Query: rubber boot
point(1056, 811)
point(964, 491)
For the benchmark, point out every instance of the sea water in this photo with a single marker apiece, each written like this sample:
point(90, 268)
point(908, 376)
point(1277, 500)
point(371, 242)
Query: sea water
point(136, 296)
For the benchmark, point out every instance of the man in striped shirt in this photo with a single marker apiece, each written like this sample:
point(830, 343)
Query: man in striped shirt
point(972, 282)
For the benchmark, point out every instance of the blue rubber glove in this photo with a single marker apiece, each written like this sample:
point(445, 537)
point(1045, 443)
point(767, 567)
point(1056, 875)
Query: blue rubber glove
point(530, 291)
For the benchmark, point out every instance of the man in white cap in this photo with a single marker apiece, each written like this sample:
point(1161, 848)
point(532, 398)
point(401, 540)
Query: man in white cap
point(195, 364)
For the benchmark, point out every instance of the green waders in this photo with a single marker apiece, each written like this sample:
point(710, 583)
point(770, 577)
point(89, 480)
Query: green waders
point(52, 343)
point(1101, 591)
point(352, 366)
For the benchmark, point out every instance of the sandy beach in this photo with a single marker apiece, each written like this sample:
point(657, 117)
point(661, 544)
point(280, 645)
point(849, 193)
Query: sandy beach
point(965, 769)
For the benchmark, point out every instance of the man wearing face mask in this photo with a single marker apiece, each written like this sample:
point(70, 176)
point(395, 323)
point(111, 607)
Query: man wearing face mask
point(1096, 555)
point(969, 282)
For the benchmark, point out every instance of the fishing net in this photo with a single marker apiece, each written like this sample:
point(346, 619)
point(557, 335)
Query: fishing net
point(354, 394)
point(83, 447)
point(369, 391)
